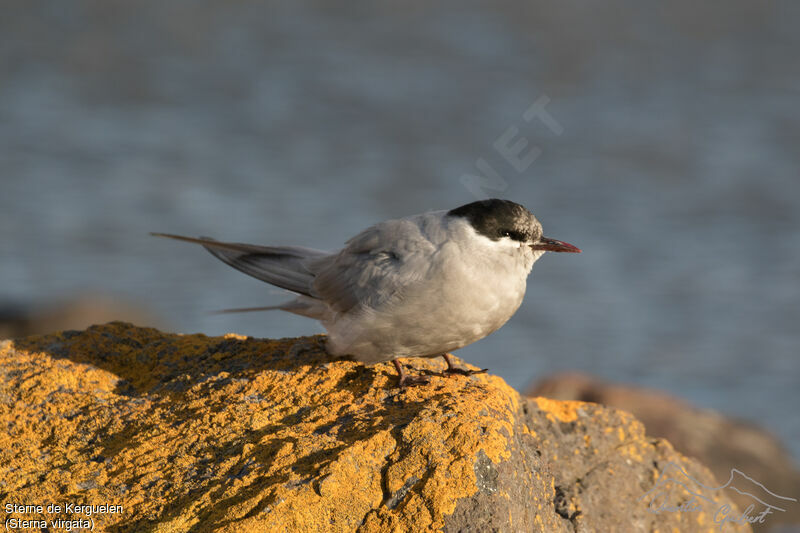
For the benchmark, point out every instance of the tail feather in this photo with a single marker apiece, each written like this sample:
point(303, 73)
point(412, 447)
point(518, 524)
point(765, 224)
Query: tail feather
point(283, 266)
point(308, 307)
point(247, 309)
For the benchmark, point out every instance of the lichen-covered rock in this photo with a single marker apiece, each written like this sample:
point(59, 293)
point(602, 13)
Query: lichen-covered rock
point(720, 442)
point(196, 433)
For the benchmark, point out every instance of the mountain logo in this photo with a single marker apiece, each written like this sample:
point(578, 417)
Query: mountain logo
point(678, 492)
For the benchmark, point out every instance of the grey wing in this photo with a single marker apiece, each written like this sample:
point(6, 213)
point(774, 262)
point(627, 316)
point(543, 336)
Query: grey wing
point(283, 266)
point(375, 267)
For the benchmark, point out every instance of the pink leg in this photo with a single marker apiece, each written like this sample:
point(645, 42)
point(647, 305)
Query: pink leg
point(405, 379)
point(453, 369)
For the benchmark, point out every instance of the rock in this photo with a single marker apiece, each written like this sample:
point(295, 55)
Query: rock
point(77, 312)
point(196, 433)
point(717, 441)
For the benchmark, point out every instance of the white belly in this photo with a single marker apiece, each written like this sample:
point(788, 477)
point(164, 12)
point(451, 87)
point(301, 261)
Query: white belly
point(461, 300)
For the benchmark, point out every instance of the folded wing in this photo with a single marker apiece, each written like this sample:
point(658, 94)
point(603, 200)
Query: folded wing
point(375, 268)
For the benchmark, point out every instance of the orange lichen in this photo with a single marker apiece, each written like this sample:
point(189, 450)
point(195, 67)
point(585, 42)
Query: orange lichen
point(563, 411)
point(189, 430)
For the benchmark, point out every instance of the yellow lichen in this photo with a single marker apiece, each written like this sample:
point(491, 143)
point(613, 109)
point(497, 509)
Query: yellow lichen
point(276, 434)
point(556, 410)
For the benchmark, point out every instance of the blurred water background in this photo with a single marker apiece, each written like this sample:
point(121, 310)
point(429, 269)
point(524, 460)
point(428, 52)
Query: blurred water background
point(671, 158)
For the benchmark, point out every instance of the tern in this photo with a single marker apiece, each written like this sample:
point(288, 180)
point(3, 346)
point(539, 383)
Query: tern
point(419, 286)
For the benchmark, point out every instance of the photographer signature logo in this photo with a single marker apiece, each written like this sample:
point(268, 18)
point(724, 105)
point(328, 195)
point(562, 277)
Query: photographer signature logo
point(673, 478)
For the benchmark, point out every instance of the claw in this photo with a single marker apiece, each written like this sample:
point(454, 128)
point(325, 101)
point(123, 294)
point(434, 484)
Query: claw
point(413, 381)
point(406, 380)
point(453, 370)
point(450, 372)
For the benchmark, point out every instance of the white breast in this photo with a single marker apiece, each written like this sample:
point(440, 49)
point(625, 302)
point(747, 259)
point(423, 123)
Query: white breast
point(471, 287)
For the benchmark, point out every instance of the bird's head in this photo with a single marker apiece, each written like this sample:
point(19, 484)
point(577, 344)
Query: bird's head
point(503, 220)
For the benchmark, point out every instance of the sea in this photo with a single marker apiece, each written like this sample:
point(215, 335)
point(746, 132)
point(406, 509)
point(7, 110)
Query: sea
point(661, 138)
